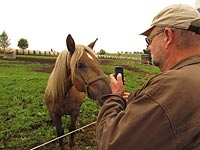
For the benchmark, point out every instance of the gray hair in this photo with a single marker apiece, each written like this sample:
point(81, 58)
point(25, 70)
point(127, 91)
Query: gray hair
point(187, 39)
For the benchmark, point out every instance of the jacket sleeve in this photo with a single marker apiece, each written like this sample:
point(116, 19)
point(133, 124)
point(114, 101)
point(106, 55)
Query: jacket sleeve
point(132, 127)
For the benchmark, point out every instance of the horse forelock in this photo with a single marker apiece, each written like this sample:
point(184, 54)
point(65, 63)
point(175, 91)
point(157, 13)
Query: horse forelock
point(77, 55)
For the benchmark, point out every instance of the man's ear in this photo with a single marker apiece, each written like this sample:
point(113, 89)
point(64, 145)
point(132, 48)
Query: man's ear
point(168, 37)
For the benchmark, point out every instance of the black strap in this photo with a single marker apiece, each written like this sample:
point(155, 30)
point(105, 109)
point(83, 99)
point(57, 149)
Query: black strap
point(194, 29)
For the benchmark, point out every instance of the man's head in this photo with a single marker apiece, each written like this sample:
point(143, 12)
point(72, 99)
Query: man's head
point(174, 30)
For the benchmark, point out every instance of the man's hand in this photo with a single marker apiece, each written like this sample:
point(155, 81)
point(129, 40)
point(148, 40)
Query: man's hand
point(116, 85)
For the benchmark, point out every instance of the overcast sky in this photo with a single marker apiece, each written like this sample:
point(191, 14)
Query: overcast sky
point(46, 23)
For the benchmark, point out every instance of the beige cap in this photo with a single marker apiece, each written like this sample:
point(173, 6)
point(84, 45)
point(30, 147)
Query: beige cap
point(176, 16)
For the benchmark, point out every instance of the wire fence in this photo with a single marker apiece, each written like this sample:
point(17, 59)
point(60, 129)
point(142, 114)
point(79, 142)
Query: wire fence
point(48, 142)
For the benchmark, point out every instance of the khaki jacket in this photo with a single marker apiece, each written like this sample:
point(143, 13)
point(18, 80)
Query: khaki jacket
point(163, 115)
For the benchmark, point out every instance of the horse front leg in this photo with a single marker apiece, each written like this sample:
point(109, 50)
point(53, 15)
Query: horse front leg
point(72, 128)
point(59, 129)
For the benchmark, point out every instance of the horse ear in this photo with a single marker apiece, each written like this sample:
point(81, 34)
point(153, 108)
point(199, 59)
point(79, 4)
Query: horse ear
point(91, 45)
point(70, 44)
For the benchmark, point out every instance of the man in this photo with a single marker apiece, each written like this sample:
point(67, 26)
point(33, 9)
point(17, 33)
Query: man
point(165, 113)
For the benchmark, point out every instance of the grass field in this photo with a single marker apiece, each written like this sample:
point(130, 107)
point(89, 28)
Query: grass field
point(24, 120)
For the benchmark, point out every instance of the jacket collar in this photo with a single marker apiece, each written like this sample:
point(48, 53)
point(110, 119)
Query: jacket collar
point(187, 61)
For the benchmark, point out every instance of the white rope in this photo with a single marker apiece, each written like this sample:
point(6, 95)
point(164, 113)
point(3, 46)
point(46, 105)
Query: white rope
point(63, 136)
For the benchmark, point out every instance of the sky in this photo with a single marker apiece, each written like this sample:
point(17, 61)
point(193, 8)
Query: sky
point(46, 23)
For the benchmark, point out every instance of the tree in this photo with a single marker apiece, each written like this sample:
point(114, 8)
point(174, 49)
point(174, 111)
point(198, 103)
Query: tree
point(4, 41)
point(102, 52)
point(23, 43)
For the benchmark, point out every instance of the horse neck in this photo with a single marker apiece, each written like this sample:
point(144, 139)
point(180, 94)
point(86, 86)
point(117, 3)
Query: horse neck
point(68, 84)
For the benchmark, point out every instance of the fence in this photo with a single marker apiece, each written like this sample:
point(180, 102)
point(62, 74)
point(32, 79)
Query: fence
point(31, 52)
point(141, 59)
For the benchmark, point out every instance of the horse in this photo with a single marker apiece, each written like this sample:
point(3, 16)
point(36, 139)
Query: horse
point(76, 73)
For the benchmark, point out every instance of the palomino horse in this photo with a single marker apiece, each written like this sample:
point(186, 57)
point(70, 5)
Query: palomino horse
point(76, 72)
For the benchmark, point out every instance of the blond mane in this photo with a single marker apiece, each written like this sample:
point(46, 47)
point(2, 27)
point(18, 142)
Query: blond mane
point(64, 63)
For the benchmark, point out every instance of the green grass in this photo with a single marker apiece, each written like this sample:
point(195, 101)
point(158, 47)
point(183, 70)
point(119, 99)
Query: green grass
point(23, 113)
point(22, 103)
point(137, 55)
point(35, 56)
point(134, 78)
point(24, 119)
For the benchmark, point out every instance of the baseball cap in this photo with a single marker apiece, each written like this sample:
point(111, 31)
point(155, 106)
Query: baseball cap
point(178, 16)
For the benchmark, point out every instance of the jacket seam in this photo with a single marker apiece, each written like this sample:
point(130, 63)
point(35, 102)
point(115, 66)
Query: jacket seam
point(172, 127)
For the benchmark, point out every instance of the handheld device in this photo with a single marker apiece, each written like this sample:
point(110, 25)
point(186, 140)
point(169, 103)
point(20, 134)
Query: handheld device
point(119, 69)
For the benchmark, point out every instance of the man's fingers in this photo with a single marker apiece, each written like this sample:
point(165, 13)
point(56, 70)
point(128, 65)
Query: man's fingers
point(112, 77)
point(119, 76)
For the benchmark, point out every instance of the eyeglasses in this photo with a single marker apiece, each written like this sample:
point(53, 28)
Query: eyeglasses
point(150, 37)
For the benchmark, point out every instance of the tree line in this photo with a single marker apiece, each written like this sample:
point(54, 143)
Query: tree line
point(5, 42)
point(23, 44)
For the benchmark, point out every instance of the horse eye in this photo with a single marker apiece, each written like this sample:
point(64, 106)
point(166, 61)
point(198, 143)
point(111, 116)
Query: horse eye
point(80, 65)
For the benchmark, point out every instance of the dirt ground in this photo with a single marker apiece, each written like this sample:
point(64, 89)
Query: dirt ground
point(52, 61)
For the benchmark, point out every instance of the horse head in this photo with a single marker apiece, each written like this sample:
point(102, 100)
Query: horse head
point(87, 75)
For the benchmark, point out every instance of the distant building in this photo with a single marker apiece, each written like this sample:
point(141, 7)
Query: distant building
point(145, 58)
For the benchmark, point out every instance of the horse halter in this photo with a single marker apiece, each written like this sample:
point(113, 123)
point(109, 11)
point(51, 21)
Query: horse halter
point(87, 83)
